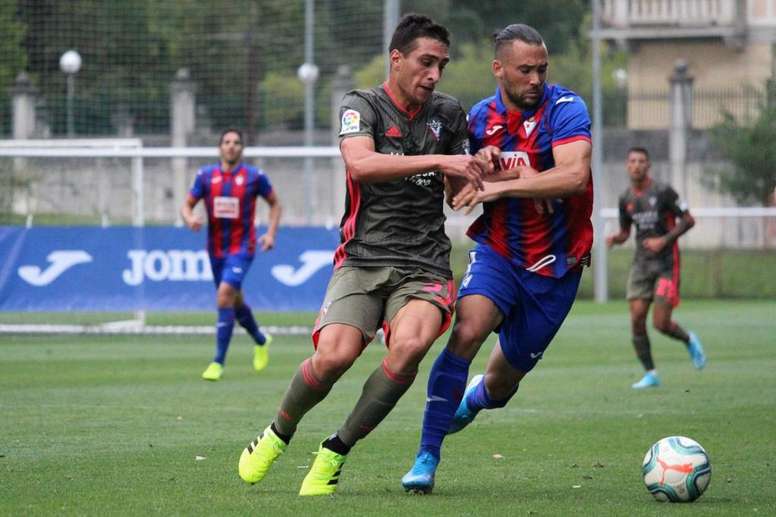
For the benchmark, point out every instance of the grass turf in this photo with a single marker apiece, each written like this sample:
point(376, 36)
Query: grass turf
point(114, 425)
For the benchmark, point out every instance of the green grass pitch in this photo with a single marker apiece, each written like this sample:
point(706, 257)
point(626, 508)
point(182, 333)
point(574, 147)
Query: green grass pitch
point(95, 425)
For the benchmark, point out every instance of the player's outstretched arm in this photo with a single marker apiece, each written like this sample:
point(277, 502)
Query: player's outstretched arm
point(618, 238)
point(657, 244)
point(187, 213)
point(367, 165)
point(267, 240)
point(570, 176)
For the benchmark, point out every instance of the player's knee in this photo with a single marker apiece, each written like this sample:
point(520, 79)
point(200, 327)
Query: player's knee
point(330, 366)
point(662, 325)
point(465, 339)
point(408, 350)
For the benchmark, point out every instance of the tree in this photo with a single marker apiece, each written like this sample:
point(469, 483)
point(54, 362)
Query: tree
point(748, 145)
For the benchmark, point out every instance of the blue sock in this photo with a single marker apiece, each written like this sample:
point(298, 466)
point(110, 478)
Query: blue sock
point(224, 329)
point(244, 317)
point(446, 384)
point(479, 399)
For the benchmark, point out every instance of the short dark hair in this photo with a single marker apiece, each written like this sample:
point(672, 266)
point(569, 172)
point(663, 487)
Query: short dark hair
point(227, 131)
point(637, 149)
point(414, 26)
point(516, 31)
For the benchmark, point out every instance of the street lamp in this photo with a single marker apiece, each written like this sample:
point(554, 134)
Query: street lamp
point(70, 64)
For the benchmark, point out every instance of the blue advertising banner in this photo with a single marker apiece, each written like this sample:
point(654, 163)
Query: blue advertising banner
point(152, 268)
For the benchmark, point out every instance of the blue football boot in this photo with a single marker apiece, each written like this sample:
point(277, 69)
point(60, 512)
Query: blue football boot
point(464, 415)
point(420, 478)
point(695, 349)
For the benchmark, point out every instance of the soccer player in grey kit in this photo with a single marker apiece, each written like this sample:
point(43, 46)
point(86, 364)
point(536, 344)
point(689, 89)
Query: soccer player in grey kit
point(660, 220)
point(401, 142)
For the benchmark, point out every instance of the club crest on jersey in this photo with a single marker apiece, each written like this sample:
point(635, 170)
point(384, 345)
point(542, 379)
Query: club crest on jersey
point(351, 122)
point(436, 127)
point(652, 201)
point(529, 126)
point(239, 180)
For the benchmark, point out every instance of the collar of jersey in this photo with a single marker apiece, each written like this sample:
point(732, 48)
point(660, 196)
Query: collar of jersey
point(410, 114)
point(233, 171)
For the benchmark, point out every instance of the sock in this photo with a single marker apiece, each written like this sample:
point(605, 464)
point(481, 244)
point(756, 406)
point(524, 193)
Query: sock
point(244, 317)
point(334, 443)
point(305, 391)
point(480, 399)
point(677, 332)
point(224, 328)
point(643, 351)
point(285, 437)
point(382, 390)
point(446, 384)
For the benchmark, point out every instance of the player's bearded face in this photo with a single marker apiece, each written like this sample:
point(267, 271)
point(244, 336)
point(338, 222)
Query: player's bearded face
point(419, 71)
point(231, 148)
point(521, 70)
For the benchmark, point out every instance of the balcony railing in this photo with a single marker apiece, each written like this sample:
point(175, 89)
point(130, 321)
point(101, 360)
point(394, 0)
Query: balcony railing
point(670, 13)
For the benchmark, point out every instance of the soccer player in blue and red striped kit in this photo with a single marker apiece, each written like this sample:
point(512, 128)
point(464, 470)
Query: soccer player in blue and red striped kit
point(229, 190)
point(532, 240)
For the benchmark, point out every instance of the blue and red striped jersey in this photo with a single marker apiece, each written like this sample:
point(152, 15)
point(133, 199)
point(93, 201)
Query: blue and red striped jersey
point(548, 244)
point(230, 200)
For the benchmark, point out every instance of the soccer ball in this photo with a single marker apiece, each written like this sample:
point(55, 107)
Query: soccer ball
point(676, 469)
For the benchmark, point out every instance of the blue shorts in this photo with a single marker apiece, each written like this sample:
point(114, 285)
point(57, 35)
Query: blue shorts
point(533, 306)
point(230, 269)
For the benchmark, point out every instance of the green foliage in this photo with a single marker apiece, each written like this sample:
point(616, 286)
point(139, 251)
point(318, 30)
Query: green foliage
point(14, 58)
point(283, 100)
point(748, 145)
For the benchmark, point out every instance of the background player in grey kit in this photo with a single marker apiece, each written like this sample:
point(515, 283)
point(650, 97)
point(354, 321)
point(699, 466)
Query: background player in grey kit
point(660, 220)
point(400, 142)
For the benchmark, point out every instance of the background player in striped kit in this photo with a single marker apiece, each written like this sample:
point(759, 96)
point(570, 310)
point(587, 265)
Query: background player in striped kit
point(532, 240)
point(660, 220)
point(400, 142)
point(230, 189)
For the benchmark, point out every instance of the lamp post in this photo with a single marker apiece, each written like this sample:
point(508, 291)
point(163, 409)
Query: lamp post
point(70, 64)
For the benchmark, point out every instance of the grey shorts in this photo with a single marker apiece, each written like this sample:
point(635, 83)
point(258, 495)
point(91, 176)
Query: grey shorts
point(369, 297)
point(649, 281)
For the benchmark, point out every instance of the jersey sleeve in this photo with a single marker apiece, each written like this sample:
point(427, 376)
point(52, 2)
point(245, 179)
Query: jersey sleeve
point(475, 136)
point(357, 117)
point(460, 141)
point(625, 218)
point(672, 203)
point(570, 120)
point(264, 185)
point(198, 187)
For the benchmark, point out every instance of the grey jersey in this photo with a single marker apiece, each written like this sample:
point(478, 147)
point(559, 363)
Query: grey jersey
point(654, 211)
point(399, 222)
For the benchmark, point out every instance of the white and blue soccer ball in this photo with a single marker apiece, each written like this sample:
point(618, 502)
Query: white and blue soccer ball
point(676, 469)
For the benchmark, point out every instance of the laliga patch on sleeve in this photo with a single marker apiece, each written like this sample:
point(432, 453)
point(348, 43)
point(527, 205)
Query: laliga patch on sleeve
point(351, 122)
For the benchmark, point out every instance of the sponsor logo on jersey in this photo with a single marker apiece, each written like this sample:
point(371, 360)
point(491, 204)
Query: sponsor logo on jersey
point(493, 130)
point(393, 132)
point(226, 207)
point(567, 98)
point(351, 122)
point(512, 159)
point(436, 127)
